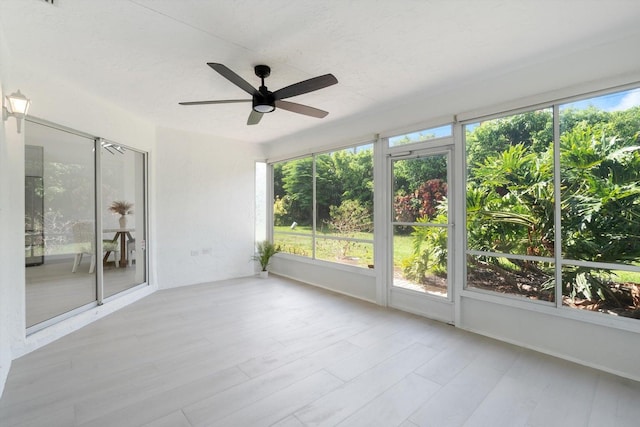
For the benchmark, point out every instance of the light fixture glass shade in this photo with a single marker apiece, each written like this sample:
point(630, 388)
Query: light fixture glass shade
point(264, 108)
point(18, 104)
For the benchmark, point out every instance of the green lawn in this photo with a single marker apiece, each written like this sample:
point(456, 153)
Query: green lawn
point(357, 253)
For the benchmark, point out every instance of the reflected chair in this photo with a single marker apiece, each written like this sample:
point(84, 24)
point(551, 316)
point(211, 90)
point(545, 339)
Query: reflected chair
point(84, 240)
point(131, 250)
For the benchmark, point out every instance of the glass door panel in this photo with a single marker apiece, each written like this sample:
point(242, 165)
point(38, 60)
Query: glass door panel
point(60, 243)
point(123, 218)
point(33, 206)
point(420, 223)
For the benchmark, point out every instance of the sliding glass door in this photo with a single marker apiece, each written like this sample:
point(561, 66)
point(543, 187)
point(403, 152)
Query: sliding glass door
point(59, 222)
point(85, 222)
point(123, 217)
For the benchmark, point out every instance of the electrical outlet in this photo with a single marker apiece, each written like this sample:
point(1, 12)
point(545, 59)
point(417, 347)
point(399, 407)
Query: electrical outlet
point(194, 253)
point(207, 251)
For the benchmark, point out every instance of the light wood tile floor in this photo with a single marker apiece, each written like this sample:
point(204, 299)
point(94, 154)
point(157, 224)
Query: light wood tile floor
point(52, 289)
point(273, 352)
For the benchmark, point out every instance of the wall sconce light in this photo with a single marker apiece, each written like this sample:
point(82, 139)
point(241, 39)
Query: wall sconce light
point(18, 106)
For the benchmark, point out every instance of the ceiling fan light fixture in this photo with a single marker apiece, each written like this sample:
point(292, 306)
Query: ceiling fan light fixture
point(263, 105)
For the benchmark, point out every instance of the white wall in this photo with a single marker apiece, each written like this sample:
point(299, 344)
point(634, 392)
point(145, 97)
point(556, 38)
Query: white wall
point(611, 349)
point(5, 351)
point(353, 281)
point(58, 102)
point(205, 208)
point(11, 240)
point(11, 243)
point(12, 292)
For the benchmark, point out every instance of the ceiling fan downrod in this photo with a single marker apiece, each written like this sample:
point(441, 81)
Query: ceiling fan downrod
point(263, 100)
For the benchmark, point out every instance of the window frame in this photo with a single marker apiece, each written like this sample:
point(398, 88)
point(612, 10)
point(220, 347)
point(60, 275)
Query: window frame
point(101, 298)
point(556, 307)
point(315, 235)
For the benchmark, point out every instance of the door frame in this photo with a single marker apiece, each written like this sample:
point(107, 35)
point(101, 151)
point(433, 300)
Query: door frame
point(98, 208)
point(424, 304)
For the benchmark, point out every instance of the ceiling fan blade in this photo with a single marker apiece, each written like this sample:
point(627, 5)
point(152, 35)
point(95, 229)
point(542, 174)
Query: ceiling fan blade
point(301, 109)
point(305, 86)
point(223, 101)
point(254, 117)
point(233, 77)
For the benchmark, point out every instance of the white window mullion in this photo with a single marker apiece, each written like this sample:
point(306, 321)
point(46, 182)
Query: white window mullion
point(313, 206)
point(381, 246)
point(99, 227)
point(270, 199)
point(557, 208)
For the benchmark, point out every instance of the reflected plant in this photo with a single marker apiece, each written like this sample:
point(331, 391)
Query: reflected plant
point(121, 207)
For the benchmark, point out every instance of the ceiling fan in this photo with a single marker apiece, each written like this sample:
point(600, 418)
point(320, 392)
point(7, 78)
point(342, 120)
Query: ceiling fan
point(265, 101)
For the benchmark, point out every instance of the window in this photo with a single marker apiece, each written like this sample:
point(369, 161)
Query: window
point(512, 218)
point(323, 206)
point(293, 206)
point(510, 205)
point(261, 201)
point(600, 173)
point(421, 136)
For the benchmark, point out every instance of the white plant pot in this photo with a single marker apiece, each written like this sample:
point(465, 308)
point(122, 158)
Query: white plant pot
point(123, 221)
point(264, 274)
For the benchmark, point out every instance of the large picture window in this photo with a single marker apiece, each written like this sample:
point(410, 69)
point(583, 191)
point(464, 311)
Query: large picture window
point(510, 205)
point(515, 172)
point(323, 206)
point(600, 173)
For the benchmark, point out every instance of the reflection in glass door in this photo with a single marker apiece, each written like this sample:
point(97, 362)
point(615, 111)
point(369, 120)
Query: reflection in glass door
point(123, 218)
point(85, 222)
point(420, 223)
point(60, 239)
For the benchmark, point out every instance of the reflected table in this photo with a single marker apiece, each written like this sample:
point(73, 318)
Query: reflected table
point(123, 234)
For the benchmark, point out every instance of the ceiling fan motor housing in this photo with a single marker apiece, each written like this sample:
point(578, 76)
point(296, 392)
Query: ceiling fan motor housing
point(263, 100)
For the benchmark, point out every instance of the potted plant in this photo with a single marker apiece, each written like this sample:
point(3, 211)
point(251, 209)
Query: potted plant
point(265, 250)
point(123, 209)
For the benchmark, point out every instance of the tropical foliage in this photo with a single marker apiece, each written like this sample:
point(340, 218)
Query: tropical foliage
point(512, 185)
point(510, 205)
point(343, 208)
point(341, 175)
point(422, 203)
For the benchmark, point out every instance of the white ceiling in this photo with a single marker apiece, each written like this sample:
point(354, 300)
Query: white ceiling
point(147, 55)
